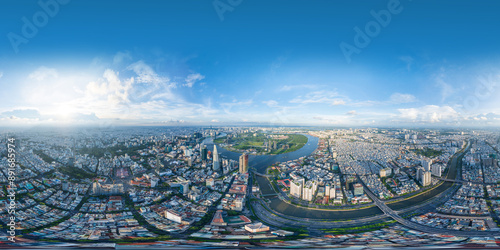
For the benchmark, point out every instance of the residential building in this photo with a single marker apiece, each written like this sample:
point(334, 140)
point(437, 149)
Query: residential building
point(243, 167)
point(358, 189)
point(309, 190)
point(296, 188)
point(436, 170)
point(426, 164)
point(173, 216)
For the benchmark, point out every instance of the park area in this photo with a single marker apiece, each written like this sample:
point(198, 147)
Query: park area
point(260, 143)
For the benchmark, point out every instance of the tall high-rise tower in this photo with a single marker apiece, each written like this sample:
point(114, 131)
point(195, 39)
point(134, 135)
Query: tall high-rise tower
point(216, 161)
point(204, 153)
point(215, 154)
point(243, 163)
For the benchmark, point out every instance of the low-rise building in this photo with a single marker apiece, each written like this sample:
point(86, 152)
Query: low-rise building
point(256, 228)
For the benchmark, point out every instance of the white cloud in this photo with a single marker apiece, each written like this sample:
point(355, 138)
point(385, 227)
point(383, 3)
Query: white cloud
point(408, 60)
point(485, 117)
point(121, 57)
point(22, 113)
point(399, 98)
point(333, 119)
point(32, 116)
point(227, 106)
point(111, 87)
point(145, 74)
point(338, 102)
point(42, 73)
point(46, 92)
point(352, 112)
point(325, 97)
point(276, 64)
point(300, 86)
point(133, 94)
point(192, 79)
point(271, 103)
point(17, 121)
point(396, 98)
point(143, 96)
point(429, 114)
point(446, 89)
point(140, 94)
point(149, 83)
point(367, 103)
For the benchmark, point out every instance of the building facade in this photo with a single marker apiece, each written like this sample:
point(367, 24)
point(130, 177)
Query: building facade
point(243, 167)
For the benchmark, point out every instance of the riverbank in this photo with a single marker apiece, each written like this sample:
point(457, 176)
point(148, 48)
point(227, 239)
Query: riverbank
point(260, 144)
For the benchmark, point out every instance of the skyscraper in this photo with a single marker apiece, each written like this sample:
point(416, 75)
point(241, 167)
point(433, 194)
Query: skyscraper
point(216, 161)
point(215, 154)
point(204, 153)
point(243, 163)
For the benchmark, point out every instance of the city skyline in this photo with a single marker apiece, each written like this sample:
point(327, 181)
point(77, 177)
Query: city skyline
point(249, 124)
point(299, 65)
point(342, 187)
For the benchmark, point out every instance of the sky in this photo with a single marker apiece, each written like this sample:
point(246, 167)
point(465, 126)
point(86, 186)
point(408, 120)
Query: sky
point(250, 62)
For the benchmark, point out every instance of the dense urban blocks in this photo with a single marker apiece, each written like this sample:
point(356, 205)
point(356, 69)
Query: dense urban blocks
point(149, 185)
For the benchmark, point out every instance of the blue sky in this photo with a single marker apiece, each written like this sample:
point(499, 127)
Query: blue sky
point(250, 62)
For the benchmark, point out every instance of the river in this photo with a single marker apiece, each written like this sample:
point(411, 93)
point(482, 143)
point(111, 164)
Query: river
point(261, 162)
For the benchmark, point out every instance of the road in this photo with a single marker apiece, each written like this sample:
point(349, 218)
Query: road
point(473, 182)
point(277, 219)
point(262, 211)
point(412, 225)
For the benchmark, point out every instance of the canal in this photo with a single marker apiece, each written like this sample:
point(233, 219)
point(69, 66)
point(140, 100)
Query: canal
point(302, 212)
point(261, 162)
point(451, 174)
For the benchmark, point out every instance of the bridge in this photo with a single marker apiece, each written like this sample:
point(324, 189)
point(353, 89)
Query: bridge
point(423, 228)
point(463, 182)
point(269, 195)
point(262, 175)
point(427, 229)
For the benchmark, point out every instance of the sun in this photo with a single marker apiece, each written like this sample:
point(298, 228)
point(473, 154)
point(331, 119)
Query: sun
point(64, 112)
